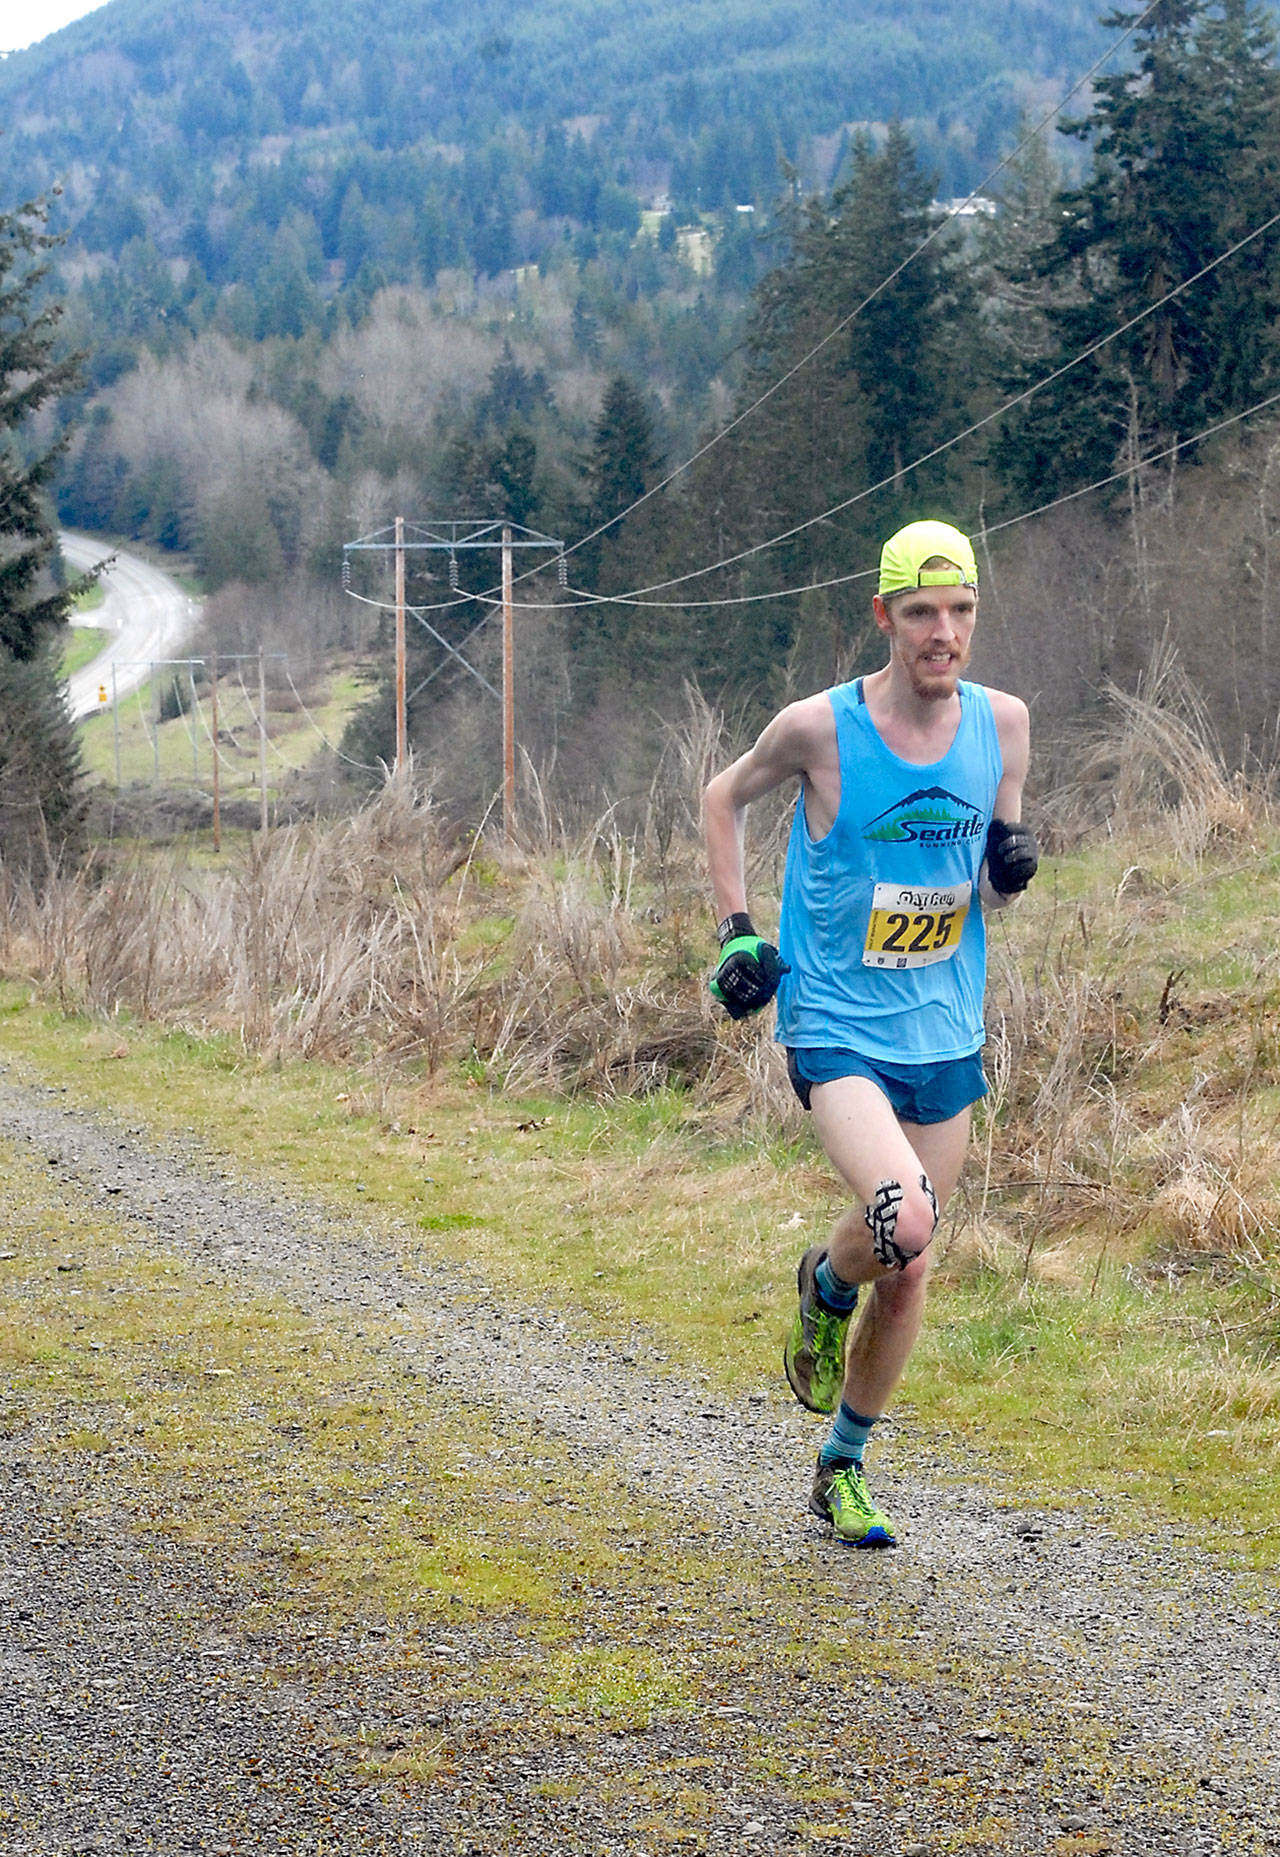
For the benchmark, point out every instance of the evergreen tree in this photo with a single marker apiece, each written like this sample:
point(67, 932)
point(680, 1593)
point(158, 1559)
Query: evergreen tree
point(903, 354)
point(864, 352)
point(624, 458)
point(41, 810)
point(1186, 158)
point(623, 465)
point(514, 464)
point(1239, 49)
point(1009, 250)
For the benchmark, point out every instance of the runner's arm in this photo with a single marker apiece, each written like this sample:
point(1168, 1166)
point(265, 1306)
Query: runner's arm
point(783, 751)
point(1013, 727)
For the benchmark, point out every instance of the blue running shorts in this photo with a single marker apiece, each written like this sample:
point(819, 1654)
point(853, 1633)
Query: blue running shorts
point(917, 1093)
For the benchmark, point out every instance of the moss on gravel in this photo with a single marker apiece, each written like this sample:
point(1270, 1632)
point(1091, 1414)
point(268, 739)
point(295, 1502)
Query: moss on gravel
point(536, 1619)
point(632, 1215)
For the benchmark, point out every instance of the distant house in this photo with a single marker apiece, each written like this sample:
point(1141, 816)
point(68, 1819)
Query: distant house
point(976, 206)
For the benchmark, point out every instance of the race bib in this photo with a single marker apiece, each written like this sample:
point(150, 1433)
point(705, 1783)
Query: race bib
point(912, 926)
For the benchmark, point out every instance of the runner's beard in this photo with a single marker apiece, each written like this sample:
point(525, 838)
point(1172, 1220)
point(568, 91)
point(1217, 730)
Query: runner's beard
point(937, 690)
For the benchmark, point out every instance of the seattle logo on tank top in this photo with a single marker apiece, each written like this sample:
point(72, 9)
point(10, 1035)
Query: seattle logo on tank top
point(930, 816)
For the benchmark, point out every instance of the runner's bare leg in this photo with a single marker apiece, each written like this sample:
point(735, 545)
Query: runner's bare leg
point(866, 1144)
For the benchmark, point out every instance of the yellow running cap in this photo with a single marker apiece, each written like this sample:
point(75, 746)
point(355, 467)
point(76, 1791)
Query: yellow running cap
point(903, 557)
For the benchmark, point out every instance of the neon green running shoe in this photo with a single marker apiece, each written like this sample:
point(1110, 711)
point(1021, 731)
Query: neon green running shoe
point(814, 1354)
point(840, 1496)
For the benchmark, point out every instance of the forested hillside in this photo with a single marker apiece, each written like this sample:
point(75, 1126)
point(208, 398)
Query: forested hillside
point(330, 266)
point(267, 168)
point(167, 122)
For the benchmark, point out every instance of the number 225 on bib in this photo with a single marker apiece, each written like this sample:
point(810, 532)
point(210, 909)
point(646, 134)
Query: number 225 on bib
point(914, 926)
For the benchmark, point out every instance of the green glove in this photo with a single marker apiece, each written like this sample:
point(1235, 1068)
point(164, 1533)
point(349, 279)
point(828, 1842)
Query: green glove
point(749, 970)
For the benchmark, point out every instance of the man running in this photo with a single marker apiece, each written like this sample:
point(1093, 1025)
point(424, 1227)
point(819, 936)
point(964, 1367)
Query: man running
point(906, 824)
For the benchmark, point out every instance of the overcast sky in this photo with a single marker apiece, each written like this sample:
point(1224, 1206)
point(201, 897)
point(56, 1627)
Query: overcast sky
point(23, 22)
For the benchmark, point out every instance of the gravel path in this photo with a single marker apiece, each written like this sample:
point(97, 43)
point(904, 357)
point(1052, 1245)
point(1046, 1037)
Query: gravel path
point(136, 1717)
point(146, 1714)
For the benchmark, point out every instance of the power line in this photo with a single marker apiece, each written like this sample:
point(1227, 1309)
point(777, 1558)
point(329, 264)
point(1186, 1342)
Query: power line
point(142, 715)
point(214, 744)
point(1154, 457)
point(489, 594)
point(880, 288)
point(386, 606)
point(867, 573)
point(260, 723)
point(364, 766)
point(634, 597)
point(637, 596)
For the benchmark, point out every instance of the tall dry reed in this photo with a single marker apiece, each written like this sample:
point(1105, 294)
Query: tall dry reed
point(1155, 765)
point(578, 961)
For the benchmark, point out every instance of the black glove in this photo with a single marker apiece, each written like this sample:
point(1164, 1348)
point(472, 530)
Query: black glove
point(1012, 857)
point(749, 971)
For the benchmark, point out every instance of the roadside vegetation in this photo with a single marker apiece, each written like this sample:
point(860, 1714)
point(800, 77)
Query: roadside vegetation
point(514, 1048)
point(162, 740)
point(80, 647)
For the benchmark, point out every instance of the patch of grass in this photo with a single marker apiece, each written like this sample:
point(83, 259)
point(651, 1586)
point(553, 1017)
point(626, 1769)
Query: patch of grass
point(627, 1685)
point(1128, 1395)
point(989, 1833)
point(685, 1247)
point(417, 1758)
point(80, 646)
point(178, 752)
point(573, 1788)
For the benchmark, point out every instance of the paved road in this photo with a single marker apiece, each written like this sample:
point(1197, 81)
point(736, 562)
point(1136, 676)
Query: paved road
point(146, 615)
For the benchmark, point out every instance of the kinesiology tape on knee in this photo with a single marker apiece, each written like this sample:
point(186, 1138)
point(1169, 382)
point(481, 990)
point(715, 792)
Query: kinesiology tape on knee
point(926, 1185)
point(882, 1222)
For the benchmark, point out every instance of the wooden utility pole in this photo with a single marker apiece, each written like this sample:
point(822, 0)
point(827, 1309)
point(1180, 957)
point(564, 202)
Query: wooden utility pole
point(115, 721)
point(508, 695)
point(217, 758)
point(402, 719)
point(451, 538)
point(195, 739)
point(262, 734)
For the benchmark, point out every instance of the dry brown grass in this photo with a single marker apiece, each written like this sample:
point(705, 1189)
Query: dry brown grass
point(329, 943)
point(1121, 1103)
point(1117, 1108)
point(381, 939)
point(1156, 767)
point(1110, 1115)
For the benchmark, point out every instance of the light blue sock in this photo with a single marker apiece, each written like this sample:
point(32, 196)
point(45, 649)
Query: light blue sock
point(847, 1439)
point(840, 1297)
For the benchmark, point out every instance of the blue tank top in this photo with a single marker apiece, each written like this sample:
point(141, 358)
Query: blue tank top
point(881, 921)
